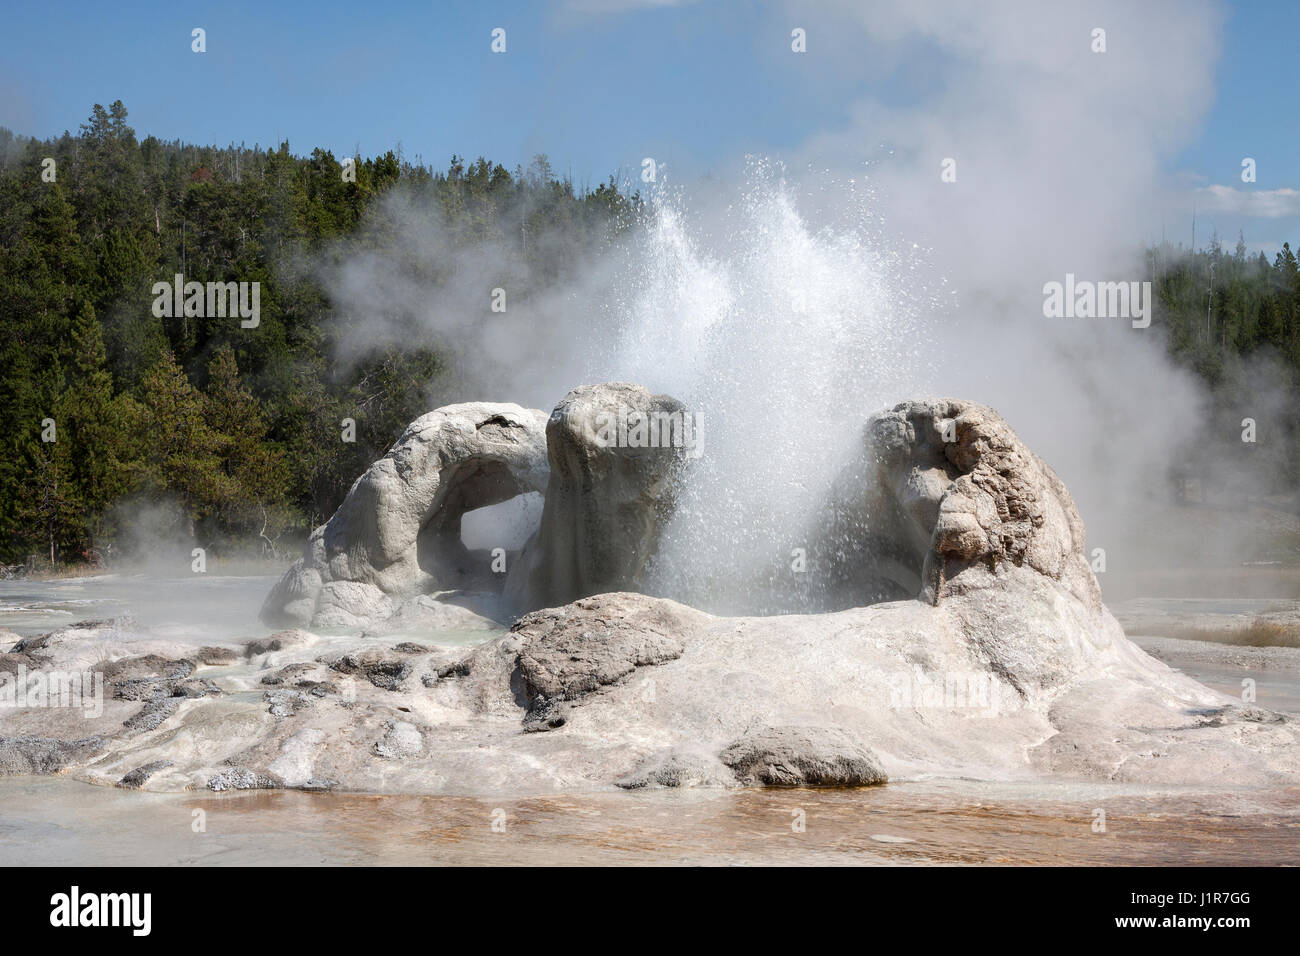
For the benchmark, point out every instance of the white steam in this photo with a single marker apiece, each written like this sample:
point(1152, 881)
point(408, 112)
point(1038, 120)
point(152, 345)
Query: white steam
point(785, 307)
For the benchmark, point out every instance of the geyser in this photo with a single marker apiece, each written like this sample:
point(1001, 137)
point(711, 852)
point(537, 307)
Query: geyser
point(623, 689)
point(779, 325)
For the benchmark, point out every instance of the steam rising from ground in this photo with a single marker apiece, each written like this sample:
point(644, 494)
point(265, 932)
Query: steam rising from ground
point(786, 306)
point(784, 332)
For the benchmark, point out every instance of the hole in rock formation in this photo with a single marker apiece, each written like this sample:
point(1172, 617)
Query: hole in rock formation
point(492, 497)
point(397, 537)
point(508, 524)
point(487, 532)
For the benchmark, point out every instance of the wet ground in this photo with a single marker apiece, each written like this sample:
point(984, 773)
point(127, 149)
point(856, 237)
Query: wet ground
point(56, 822)
point(198, 607)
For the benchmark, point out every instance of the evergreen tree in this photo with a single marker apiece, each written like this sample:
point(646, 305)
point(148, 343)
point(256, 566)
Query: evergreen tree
point(94, 426)
point(255, 470)
point(177, 453)
point(238, 428)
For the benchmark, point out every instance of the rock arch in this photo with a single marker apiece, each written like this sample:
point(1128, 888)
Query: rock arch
point(397, 533)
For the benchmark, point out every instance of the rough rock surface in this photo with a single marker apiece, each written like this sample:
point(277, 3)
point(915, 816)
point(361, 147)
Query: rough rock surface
point(1007, 668)
point(397, 534)
point(42, 755)
point(137, 777)
point(803, 757)
point(942, 498)
point(610, 493)
point(559, 662)
point(898, 689)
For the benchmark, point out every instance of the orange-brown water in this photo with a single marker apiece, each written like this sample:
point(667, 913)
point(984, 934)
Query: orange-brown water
point(61, 822)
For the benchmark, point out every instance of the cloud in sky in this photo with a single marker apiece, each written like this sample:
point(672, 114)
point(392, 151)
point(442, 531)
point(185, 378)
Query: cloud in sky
point(1050, 139)
point(1253, 203)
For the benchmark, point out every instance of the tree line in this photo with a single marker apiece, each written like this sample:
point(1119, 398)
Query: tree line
point(111, 410)
point(1234, 320)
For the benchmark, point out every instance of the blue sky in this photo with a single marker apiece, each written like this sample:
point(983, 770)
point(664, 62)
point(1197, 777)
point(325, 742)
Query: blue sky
point(593, 90)
point(596, 84)
point(1255, 96)
point(1254, 114)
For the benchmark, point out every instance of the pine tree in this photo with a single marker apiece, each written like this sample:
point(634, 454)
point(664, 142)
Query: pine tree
point(176, 452)
point(256, 471)
point(93, 424)
point(46, 507)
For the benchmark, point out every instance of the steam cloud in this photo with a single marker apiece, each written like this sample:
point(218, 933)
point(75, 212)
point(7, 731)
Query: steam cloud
point(786, 302)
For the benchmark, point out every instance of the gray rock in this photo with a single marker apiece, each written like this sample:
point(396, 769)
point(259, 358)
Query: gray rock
point(128, 675)
point(606, 502)
point(454, 669)
point(140, 775)
point(216, 656)
point(241, 778)
point(34, 643)
point(195, 687)
point(380, 668)
point(45, 755)
point(285, 703)
point(152, 715)
point(561, 661)
point(290, 674)
point(279, 641)
point(153, 679)
point(545, 713)
point(803, 757)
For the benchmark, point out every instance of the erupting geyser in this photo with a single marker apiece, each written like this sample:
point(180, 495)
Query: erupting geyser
point(1003, 663)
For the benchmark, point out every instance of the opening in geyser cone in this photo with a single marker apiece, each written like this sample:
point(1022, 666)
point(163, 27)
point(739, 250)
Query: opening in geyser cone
point(482, 525)
point(494, 536)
